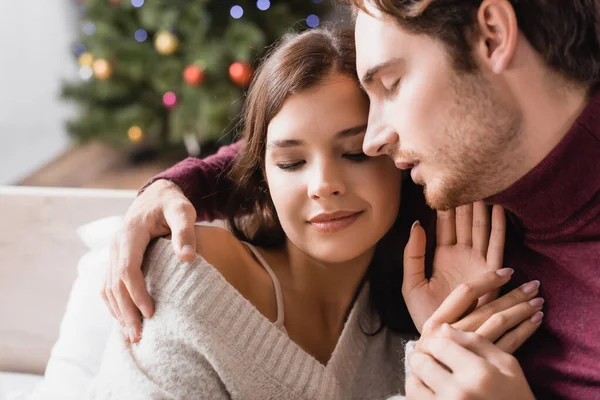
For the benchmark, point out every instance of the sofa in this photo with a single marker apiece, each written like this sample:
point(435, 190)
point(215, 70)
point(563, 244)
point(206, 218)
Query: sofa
point(43, 249)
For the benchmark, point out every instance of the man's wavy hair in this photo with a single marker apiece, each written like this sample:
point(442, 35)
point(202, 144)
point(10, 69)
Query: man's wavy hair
point(566, 33)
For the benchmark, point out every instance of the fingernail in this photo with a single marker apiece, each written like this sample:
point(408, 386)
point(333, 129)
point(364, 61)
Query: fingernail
point(530, 287)
point(416, 223)
point(131, 335)
point(537, 302)
point(505, 272)
point(187, 249)
point(145, 311)
point(537, 317)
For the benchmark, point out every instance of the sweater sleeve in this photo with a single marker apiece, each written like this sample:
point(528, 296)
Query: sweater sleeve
point(204, 182)
point(155, 369)
point(170, 361)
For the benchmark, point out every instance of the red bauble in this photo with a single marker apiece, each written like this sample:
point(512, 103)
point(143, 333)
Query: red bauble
point(193, 75)
point(241, 73)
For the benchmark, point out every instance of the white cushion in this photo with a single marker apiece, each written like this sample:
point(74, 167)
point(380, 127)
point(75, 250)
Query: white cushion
point(84, 330)
point(16, 386)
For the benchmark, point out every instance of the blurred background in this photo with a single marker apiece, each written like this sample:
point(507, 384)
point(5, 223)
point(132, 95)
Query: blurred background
point(107, 93)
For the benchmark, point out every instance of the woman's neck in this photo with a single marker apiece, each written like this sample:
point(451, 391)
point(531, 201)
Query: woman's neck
point(330, 286)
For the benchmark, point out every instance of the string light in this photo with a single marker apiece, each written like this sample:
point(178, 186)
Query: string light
point(263, 5)
point(140, 35)
point(79, 49)
point(88, 28)
point(169, 99)
point(86, 72)
point(236, 12)
point(135, 133)
point(312, 21)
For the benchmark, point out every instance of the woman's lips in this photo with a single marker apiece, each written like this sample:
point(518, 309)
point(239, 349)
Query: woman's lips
point(336, 224)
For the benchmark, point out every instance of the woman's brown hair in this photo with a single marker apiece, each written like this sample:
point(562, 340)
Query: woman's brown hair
point(298, 63)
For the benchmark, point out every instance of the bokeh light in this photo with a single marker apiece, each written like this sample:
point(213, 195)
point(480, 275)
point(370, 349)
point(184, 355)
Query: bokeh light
point(236, 12)
point(140, 35)
point(312, 21)
point(263, 5)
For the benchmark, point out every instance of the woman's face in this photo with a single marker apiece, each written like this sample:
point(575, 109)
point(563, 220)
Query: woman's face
point(333, 202)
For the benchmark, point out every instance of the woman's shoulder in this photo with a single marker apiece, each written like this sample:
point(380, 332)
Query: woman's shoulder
point(226, 253)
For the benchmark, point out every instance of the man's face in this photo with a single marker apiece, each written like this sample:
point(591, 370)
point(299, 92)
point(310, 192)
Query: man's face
point(453, 128)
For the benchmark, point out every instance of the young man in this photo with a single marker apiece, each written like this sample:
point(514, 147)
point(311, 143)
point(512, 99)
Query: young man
point(491, 99)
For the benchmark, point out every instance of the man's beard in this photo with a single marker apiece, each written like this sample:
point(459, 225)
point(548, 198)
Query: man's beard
point(475, 161)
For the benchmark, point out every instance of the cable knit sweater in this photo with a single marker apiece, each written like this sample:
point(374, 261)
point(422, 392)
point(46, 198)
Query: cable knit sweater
point(206, 341)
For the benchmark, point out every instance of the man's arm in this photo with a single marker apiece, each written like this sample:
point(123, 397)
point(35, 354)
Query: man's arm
point(170, 203)
point(204, 182)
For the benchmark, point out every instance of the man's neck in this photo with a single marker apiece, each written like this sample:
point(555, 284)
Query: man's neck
point(549, 111)
point(557, 193)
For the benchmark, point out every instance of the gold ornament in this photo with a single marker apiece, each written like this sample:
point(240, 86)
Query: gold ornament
point(135, 134)
point(166, 43)
point(102, 69)
point(86, 60)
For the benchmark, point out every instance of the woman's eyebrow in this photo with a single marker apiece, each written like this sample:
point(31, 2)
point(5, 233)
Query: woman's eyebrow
point(287, 143)
point(355, 130)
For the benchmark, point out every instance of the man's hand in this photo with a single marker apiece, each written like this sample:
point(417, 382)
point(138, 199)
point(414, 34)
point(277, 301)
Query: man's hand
point(159, 210)
point(463, 365)
point(466, 246)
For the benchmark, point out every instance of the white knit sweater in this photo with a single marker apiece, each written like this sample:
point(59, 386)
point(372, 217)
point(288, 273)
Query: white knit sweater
point(206, 341)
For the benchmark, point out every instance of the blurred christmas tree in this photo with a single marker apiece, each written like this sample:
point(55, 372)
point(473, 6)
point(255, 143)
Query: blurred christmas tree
point(166, 72)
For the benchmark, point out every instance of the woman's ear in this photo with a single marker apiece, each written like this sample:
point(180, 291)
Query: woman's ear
point(498, 31)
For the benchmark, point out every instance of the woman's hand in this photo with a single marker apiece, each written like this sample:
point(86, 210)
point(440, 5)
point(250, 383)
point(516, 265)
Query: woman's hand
point(467, 246)
point(451, 364)
point(161, 209)
point(462, 365)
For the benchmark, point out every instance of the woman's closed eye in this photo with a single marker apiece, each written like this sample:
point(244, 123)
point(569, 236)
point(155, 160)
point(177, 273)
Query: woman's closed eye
point(291, 166)
point(356, 157)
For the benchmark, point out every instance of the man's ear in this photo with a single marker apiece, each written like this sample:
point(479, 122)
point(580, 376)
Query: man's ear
point(497, 33)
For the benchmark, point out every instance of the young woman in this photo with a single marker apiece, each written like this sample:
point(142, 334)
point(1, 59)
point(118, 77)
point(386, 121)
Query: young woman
point(302, 300)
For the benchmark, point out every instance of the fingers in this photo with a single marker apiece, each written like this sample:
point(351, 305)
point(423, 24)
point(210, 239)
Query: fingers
point(479, 346)
point(461, 298)
point(500, 323)
point(181, 217)
point(447, 352)
point(132, 247)
point(464, 225)
point(131, 315)
point(424, 366)
point(108, 297)
point(416, 389)
point(479, 316)
point(481, 228)
point(414, 259)
point(446, 228)
point(495, 252)
point(515, 338)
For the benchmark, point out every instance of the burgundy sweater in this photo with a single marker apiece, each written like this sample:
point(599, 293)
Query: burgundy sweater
point(554, 236)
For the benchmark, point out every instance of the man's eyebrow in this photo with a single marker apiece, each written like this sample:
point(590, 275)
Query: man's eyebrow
point(355, 130)
point(367, 78)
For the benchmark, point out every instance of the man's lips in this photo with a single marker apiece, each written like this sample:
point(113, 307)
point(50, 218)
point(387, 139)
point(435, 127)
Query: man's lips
point(405, 164)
